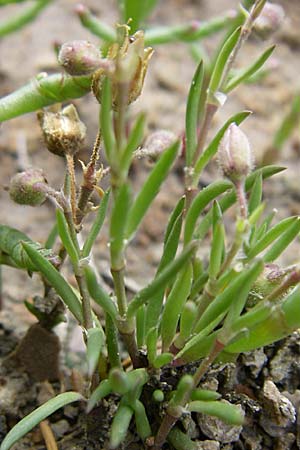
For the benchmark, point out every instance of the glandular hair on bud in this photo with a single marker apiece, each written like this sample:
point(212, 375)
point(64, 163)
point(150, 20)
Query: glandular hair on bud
point(234, 154)
point(79, 57)
point(25, 187)
point(269, 20)
point(63, 132)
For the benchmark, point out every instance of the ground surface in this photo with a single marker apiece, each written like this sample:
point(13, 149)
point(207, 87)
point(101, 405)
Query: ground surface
point(25, 54)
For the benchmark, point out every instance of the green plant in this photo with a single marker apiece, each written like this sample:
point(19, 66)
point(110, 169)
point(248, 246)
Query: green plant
point(22, 19)
point(191, 311)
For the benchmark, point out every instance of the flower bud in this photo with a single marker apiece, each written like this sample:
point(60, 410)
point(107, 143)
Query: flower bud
point(155, 144)
point(269, 20)
point(64, 133)
point(24, 187)
point(79, 58)
point(235, 155)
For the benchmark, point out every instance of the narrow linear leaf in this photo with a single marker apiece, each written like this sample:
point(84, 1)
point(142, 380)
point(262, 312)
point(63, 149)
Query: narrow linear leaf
point(51, 237)
point(162, 360)
point(43, 91)
point(134, 141)
point(141, 326)
point(289, 123)
point(174, 304)
point(98, 394)
point(150, 189)
point(56, 280)
point(271, 235)
point(95, 26)
point(282, 242)
point(200, 202)
point(162, 279)
point(177, 212)
point(118, 222)
point(120, 425)
point(106, 123)
point(212, 148)
point(191, 117)
point(19, 21)
point(230, 414)
point(34, 418)
point(98, 293)
point(247, 73)
point(142, 423)
point(151, 342)
point(64, 234)
point(233, 295)
point(230, 198)
point(205, 395)
point(223, 56)
point(256, 194)
point(169, 253)
point(95, 341)
point(97, 225)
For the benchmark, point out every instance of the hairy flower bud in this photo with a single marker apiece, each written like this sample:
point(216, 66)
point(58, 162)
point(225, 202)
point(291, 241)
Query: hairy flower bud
point(24, 187)
point(235, 155)
point(269, 20)
point(155, 144)
point(79, 57)
point(64, 133)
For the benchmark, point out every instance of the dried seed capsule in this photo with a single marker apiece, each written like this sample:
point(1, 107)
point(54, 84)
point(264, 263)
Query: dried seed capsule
point(269, 20)
point(79, 57)
point(64, 133)
point(235, 155)
point(25, 187)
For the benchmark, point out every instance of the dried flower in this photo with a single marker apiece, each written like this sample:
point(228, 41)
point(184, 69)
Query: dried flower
point(24, 187)
point(269, 20)
point(131, 62)
point(64, 133)
point(235, 155)
point(80, 57)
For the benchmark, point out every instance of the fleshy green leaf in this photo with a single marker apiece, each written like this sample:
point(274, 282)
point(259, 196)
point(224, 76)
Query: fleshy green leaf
point(162, 279)
point(95, 340)
point(200, 202)
point(97, 225)
point(120, 425)
point(118, 224)
point(65, 236)
point(43, 91)
point(150, 189)
point(247, 73)
point(174, 304)
point(191, 118)
point(222, 59)
point(98, 394)
point(212, 148)
point(282, 242)
point(230, 414)
point(98, 294)
point(56, 280)
point(34, 418)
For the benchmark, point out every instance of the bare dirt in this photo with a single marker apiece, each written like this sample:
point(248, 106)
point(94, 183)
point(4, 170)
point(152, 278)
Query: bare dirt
point(29, 52)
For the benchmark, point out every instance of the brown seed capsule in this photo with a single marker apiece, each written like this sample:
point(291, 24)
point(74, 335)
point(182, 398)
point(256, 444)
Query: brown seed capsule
point(269, 20)
point(64, 133)
point(79, 58)
point(235, 155)
point(25, 187)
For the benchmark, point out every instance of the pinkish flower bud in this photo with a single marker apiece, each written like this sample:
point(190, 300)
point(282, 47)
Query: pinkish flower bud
point(80, 57)
point(269, 20)
point(64, 133)
point(235, 155)
point(25, 187)
point(155, 144)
